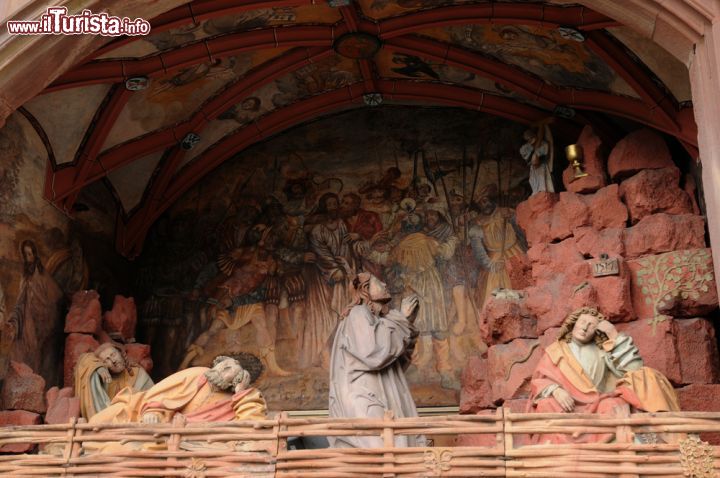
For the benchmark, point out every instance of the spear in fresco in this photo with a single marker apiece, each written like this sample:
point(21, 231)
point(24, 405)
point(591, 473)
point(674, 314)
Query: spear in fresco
point(477, 172)
point(446, 194)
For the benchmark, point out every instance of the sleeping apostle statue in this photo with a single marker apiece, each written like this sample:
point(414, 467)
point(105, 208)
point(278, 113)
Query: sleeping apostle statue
point(218, 394)
point(371, 350)
point(592, 368)
point(100, 375)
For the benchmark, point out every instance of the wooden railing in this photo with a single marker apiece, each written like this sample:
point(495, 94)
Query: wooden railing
point(498, 443)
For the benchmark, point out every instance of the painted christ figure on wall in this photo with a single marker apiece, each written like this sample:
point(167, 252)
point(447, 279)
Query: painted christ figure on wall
point(35, 320)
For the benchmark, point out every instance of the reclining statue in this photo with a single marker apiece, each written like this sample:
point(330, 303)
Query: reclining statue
point(101, 374)
point(592, 368)
point(201, 394)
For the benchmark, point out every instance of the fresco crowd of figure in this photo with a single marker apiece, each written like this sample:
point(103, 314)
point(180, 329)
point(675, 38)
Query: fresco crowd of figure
point(282, 248)
point(294, 257)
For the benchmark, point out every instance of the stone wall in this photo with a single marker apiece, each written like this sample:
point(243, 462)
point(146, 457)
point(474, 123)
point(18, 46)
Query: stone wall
point(632, 210)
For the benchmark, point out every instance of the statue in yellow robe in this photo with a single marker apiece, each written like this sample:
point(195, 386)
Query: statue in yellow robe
point(101, 374)
point(201, 394)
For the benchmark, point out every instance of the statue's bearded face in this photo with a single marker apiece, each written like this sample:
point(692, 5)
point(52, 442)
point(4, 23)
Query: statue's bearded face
point(112, 359)
point(584, 330)
point(222, 375)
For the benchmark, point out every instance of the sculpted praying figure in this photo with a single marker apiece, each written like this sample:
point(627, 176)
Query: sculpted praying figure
point(594, 369)
point(100, 375)
point(371, 350)
point(201, 394)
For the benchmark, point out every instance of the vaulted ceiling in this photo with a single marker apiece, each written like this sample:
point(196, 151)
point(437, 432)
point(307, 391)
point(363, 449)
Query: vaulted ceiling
point(236, 72)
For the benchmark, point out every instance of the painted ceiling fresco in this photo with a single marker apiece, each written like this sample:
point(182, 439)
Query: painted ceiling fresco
point(380, 9)
point(541, 51)
point(173, 97)
point(425, 56)
point(400, 65)
point(320, 14)
point(412, 189)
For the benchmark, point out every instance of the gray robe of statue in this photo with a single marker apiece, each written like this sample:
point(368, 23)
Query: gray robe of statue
point(367, 373)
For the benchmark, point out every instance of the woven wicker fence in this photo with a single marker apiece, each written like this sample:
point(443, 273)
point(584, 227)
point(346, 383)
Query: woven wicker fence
point(496, 444)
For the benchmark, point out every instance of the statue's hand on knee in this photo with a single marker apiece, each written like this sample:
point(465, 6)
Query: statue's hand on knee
point(564, 399)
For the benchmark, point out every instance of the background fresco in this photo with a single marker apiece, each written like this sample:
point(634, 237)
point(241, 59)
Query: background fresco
point(257, 259)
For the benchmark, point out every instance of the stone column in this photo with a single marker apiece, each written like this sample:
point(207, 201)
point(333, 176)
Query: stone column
point(705, 83)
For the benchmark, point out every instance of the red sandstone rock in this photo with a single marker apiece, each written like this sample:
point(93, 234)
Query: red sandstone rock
point(122, 318)
point(591, 243)
point(641, 149)
point(18, 418)
point(664, 233)
point(84, 314)
point(519, 271)
point(550, 260)
point(518, 405)
point(655, 190)
point(503, 320)
point(701, 398)
point(678, 283)
point(479, 439)
point(593, 164)
point(657, 346)
point(534, 216)
point(569, 213)
point(23, 389)
point(690, 188)
point(697, 344)
point(62, 406)
point(140, 354)
point(510, 367)
point(76, 345)
point(614, 296)
point(475, 393)
point(546, 217)
point(606, 208)
point(564, 281)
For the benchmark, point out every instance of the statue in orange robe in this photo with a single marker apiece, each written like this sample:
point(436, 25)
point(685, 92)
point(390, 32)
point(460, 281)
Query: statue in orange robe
point(201, 394)
point(594, 369)
point(100, 375)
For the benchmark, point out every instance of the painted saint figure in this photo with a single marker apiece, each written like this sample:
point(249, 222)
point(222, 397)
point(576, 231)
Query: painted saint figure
point(538, 154)
point(101, 374)
point(35, 321)
point(371, 350)
point(494, 238)
point(201, 394)
point(592, 368)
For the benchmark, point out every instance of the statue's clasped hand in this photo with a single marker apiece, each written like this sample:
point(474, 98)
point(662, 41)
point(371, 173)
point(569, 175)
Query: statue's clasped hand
point(409, 306)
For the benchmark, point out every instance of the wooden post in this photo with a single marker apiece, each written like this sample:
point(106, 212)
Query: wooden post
point(173, 442)
point(74, 446)
point(388, 442)
point(280, 442)
point(624, 434)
